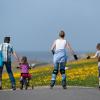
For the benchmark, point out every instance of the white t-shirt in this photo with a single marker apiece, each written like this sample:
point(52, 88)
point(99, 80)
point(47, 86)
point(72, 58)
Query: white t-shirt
point(60, 44)
point(97, 54)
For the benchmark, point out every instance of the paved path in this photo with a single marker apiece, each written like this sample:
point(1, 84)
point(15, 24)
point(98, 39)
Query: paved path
point(44, 93)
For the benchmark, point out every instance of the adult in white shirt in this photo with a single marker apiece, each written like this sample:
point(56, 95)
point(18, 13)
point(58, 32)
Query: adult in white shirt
point(58, 48)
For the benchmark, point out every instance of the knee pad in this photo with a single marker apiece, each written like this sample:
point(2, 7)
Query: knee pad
point(55, 71)
point(62, 71)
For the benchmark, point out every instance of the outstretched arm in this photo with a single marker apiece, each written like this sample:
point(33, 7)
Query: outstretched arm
point(71, 51)
point(53, 46)
point(70, 48)
point(16, 57)
point(94, 56)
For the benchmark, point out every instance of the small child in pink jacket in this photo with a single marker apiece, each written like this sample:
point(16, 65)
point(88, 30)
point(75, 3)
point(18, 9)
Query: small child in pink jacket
point(24, 68)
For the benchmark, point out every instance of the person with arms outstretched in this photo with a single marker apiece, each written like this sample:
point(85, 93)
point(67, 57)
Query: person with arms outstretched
point(97, 55)
point(58, 49)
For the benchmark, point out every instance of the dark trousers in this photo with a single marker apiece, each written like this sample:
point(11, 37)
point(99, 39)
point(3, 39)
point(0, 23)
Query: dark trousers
point(99, 70)
point(9, 71)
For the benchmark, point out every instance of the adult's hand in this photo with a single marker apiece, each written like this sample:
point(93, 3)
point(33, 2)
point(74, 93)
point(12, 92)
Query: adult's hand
point(75, 57)
point(53, 52)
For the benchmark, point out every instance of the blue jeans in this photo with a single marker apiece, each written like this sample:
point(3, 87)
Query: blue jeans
point(61, 67)
point(9, 70)
point(59, 60)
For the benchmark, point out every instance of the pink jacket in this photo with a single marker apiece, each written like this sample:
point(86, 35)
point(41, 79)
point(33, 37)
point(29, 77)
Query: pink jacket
point(24, 68)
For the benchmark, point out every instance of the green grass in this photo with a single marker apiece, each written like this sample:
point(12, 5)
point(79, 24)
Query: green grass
point(42, 78)
point(82, 64)
point(90, 81)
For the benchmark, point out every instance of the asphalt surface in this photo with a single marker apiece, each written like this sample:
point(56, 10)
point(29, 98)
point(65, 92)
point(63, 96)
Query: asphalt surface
point(57, 93)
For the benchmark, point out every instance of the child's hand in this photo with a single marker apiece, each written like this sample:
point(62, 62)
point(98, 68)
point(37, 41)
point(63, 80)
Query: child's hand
point(17, 67)
point(88, 57)
point(29, 68)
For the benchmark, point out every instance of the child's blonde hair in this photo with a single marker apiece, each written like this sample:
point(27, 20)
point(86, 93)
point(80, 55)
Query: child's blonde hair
point(98, 46)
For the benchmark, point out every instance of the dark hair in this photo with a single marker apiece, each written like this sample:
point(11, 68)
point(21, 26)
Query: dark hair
point(24, 60)
point(6, 39)
point(62, 34)
point(98, 46)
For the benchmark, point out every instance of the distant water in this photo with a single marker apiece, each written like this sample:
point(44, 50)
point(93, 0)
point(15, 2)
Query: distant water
point(46, 57)
point(37, 56)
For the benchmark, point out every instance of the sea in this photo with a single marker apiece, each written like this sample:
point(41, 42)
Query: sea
point(47, 57)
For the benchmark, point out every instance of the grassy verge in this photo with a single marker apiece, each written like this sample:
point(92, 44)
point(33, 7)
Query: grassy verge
point(81, 73)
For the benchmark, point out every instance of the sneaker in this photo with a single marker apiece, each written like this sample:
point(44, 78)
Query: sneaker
point(64, 87)
point(64, 84)
point(52, 84)
point(99, 87)
point(21, 87)
point(51, 87)
point(0, 87)
point(13, 87)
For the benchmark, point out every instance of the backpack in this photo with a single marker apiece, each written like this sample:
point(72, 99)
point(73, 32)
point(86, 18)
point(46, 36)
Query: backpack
point(1, 59)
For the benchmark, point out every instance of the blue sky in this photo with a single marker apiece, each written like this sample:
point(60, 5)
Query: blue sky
point(34, 24)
